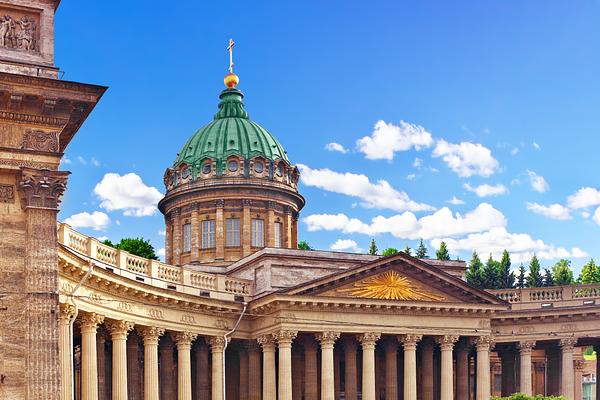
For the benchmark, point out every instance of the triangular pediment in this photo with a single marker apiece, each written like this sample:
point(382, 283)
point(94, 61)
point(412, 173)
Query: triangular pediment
point(397, 278)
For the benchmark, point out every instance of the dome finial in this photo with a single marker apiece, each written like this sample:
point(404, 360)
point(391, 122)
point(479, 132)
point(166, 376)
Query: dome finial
point(231, 80)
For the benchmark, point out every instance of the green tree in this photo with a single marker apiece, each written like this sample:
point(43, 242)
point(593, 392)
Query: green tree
point(442, 253)
point(507, 277)
point(521, 277)
point(534, 279)
point(548, 277)
point(390, 251)
point(421, 250)
point(107, 242)
point(563, 275)
point(475, 271)
point(491, 274)
point(136, 246)
point(408, 250)
point(303, 245)
point(373, 248)
point(589, 273)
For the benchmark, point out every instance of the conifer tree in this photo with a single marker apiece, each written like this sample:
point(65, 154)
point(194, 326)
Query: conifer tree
point(408, 250)
point(442, 253)
point(562, 272)
point(589, 273)
point(491, 274)
point(421, 250)
point(373, 248)
point(521, 277)
point(507, 277)
point(534, 279)
point(474, 271)
point(548, 277)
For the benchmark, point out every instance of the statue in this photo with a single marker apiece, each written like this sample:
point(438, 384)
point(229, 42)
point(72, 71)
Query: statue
point(25, 37)
point(7, 27)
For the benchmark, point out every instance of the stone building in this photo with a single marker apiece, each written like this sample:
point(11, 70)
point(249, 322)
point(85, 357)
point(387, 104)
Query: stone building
point(237, 311)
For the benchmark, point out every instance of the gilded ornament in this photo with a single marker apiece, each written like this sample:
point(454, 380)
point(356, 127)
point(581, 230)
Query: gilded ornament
point(389, 286)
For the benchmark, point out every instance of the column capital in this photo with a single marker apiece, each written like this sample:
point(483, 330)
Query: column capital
point(446, 342)
point(184, 339)
point(41, 188)
point(267, 342)
point(567, 344)
point(119, 329)
point(578, 365)
point(285, 337)
point(483, 343)
point(150, 334)
point(368, 339)
point(327, 339)
point(89, 322)
point(66, 312)
point(409, 341)
point(216, 343)
point(526, 346)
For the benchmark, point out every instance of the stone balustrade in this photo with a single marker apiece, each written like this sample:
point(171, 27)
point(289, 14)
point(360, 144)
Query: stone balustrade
point(153, 272)
point(551, 297)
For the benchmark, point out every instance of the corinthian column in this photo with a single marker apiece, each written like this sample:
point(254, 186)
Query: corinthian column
point(409, 342)
point(482, 345)
point(284, 341)
point(311, 383)
point(447, 375)
point(351, 375)
point(368, 340)
point(525, 348)
point(67, 312)
point(217, 345)
point(150, 335)
point(89, 362)
point(327, 340)
point(269, 383)
point(567, 386)
point(118, 333)
point(184, 365)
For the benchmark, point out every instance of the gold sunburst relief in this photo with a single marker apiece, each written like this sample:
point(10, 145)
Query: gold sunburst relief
point(389, 286)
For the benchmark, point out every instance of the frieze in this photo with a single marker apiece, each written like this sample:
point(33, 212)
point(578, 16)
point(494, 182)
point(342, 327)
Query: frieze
point(125, 306)
point(95, 298)
point(40, 141)
point(27, 164)
point(222, 324)
point(19, 33)
point(188, 319)
point(37, 119)
point(42, 188)
point(7, 193)
point(155, 313)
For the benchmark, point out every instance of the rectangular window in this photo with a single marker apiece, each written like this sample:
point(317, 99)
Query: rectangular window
point(233, 232)
point(277, 232)
point(208, 234)
point(258, 233)
point(187, 237)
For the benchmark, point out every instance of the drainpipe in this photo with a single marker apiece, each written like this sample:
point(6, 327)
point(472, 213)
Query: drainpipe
point(226, 337)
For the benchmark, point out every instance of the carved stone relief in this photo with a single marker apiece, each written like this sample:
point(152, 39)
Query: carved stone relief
point(18, 33)
point(42, 188)
point(7, 194)
point(40, 141)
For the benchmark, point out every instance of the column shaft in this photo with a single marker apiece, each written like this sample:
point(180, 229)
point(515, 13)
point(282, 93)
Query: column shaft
point(269, 386)
point(89, 360)
point(351, 375)
point(447, 374)
point(67, 312)
point(427, 367)
point(525, 384)
point(567, 385)
point(202, 373)
point(409, 342)
point(284, 340)
point(151, 387)
point(483, 344)
point(118, 332)
point(217, 344)
point(368, 341)
point(327, 340)
point(184, 365)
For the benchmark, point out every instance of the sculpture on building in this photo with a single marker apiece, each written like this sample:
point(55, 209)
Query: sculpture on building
point(24, 39)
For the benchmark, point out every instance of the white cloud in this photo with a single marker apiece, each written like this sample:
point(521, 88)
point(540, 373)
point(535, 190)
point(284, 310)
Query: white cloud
point(410, 177)
point(95, 162)
point(586, 214)
point(386, 139)
point(553, 211)
point(127, 193)
point(417, 163)
point(102, 238)
point(81, 160)
point(467, 159)
point(161, 253)
point(536, 146)
point(373, 195)
point(442, 223)
point(455, 201)
point(333, 146)
point(345, 244)
point(486, 190)
point(514, 151)
point(521, 246)
point(162, 232)
point(584, 197)
point(97, 220)
point(65, 160)
point(538, 183)
point(597, 216)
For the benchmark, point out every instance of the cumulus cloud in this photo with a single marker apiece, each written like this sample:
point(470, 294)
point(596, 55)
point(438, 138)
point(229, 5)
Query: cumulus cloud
point(386, 139)
point(596, 217)
point(538, 183)
point(162, 232)
point(553, 211)
point(442, 223)
point(97, 220)
point(333, 146)
point(81, 160)
point(521, 246)
point(345, 244)
point(486, 190)
point(127, 193)
point(455, 201)
point(372, 195)
point(466, 159)
point(584, 197)
point(161, 253)
point(410, 177)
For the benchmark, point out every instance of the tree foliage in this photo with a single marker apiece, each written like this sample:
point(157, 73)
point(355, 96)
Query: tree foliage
point(407, 250)
point(373, 248)
point(421, 250)
point(491, 274)
point(521, 396)
point(303, 245)
point(390, 251)
point(475, 271)
point(589, 273)
point(442, 253)
point(137, 246)
point(548, 277)
point(521, 278)
point(562, 272)
point(507, 277)
point(534, 279)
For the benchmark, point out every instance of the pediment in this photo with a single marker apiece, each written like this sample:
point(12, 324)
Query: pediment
point(399, 278)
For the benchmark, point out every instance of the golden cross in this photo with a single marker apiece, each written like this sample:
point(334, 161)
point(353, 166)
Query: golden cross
point(230, 48)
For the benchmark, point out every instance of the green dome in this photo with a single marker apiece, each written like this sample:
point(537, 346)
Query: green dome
point(230, 133)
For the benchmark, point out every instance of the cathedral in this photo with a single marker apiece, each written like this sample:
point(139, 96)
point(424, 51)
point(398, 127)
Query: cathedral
point(237, 311)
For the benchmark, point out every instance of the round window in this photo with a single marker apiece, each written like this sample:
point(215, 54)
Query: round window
point(206, 168)
point(232, 165)
point(258, 167)
point(185, 173)
point(279, 170)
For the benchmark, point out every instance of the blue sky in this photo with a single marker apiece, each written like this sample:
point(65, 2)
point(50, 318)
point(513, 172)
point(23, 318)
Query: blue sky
point(469, 93)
